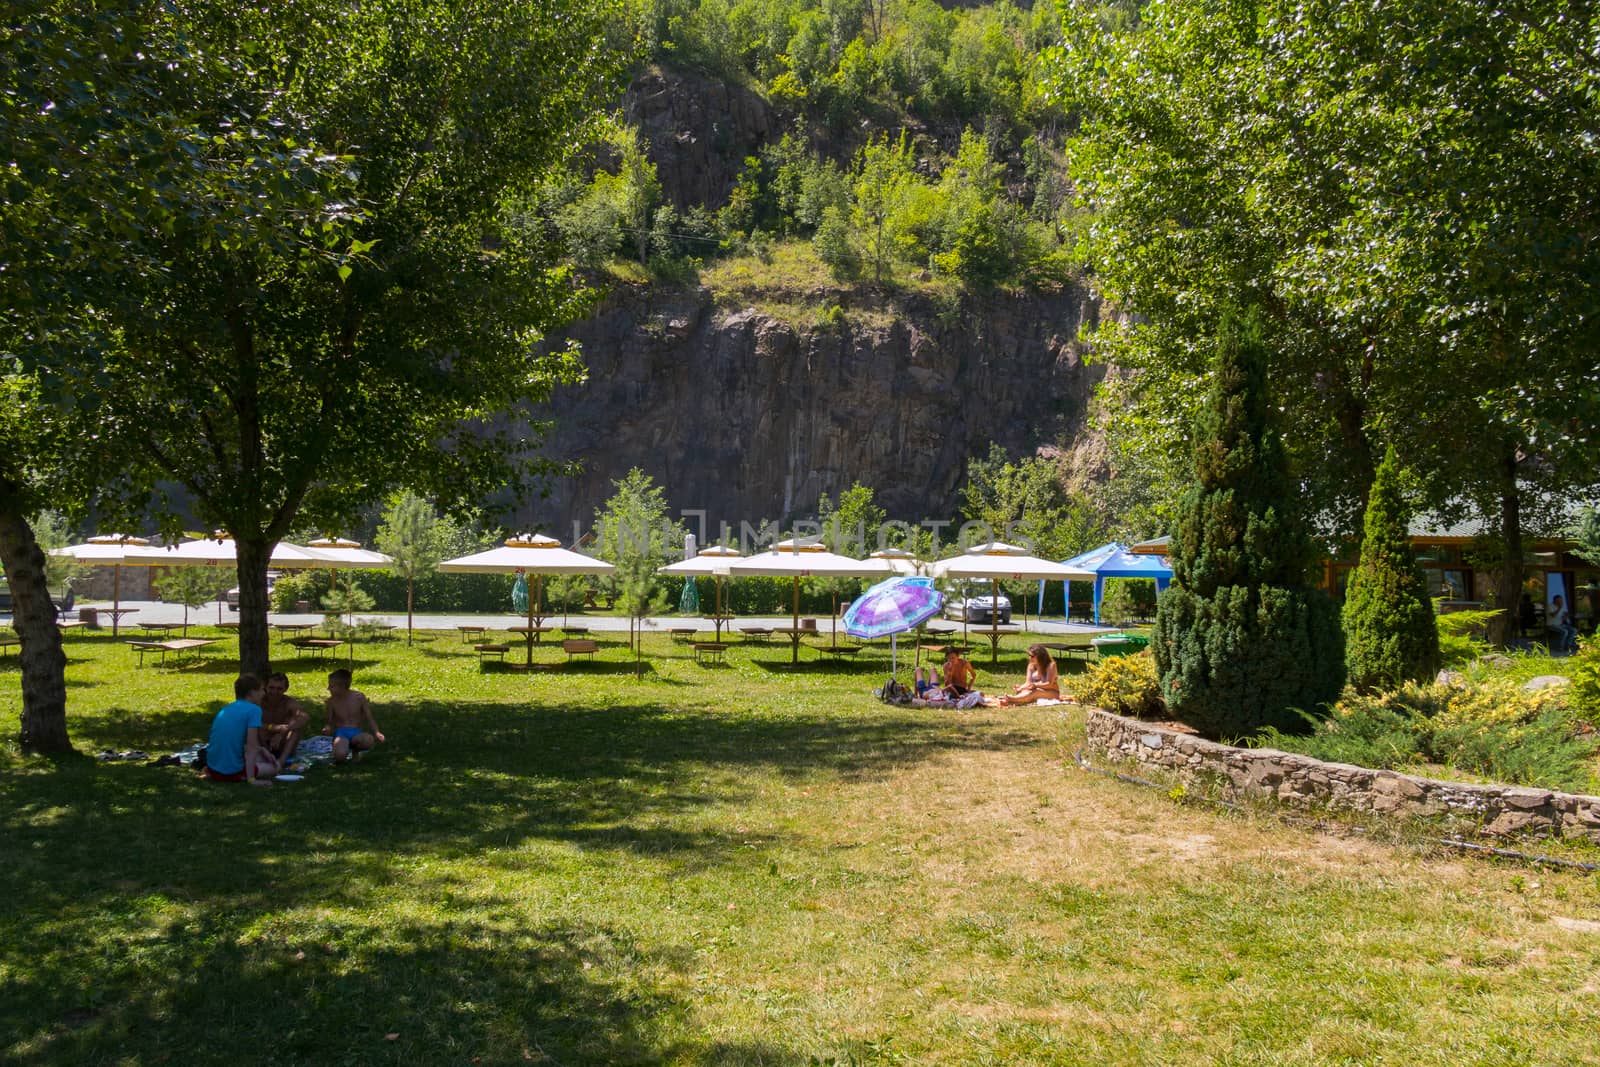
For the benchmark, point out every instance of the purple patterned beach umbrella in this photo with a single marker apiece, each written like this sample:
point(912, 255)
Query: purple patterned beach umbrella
point(892, 607)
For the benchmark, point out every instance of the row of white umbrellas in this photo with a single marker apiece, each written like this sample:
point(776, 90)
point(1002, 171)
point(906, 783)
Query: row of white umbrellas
point(798, 558)
point(539, 555)
point(122, 550)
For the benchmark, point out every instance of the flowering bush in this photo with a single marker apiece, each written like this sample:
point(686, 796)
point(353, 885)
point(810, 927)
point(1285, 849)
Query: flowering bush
point(1126, 685)
point(1491, 728)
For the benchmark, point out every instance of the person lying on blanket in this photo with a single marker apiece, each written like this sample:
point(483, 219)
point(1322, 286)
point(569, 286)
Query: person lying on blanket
point(1042, 682)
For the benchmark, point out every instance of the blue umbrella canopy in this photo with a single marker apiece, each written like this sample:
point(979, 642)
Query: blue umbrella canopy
point(519, 594)
point(893, 606)
point(689, 602)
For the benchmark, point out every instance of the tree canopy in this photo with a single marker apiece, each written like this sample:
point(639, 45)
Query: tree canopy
point(293, 279)
point(1401, 189)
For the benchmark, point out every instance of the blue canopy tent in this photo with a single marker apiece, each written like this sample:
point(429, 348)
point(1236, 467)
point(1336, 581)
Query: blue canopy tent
point(1113, 561)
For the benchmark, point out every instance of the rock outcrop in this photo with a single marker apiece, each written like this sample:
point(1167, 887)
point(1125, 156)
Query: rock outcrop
point(699, 131)
point(750, 414)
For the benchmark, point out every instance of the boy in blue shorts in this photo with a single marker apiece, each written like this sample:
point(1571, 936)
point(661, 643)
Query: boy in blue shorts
point(350, 718)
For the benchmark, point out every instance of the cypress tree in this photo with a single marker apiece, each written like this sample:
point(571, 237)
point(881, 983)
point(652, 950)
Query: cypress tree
point(1389, 629)
point(1241, 639)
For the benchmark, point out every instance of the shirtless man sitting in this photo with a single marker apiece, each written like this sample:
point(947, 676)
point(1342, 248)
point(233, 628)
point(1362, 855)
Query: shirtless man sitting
point(283, 720)
point(350, 718)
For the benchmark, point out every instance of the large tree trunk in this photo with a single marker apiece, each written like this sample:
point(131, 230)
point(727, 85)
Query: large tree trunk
point(255, 653)
point(33, 615)
point(1508, 581)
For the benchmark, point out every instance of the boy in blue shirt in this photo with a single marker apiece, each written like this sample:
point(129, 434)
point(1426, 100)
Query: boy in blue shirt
point(234, 752)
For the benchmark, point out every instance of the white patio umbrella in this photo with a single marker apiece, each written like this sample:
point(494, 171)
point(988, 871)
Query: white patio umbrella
point(899, 560)
point(218, 550)
point(536, 555)
point(995, 561)
point(798, 559)
point(337, 554)
point(110, 550)
point(714, 562)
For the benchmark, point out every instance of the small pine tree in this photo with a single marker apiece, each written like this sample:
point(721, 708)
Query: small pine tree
point(1390, 632)
point(1241, 640)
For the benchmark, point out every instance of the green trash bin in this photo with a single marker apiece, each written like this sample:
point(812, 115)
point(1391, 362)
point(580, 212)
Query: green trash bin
point(1113, 645)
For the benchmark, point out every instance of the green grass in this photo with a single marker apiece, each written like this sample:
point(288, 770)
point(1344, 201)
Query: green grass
point(740, 865)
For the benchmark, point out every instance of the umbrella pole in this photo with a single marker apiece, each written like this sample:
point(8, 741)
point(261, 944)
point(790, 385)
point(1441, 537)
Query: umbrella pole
point(116, 598)
point(994, 621)
point(894, 660)
point(795, 636)
point(836, 619)
point(718, 626)
point(538, 580)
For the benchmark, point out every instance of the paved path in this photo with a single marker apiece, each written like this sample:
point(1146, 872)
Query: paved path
point(157, 612)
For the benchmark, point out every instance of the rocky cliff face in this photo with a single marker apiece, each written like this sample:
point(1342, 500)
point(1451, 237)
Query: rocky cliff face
point(699, 132)
point(751, 414)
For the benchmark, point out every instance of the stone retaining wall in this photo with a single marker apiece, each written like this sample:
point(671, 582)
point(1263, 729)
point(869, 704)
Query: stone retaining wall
point(1306, 782)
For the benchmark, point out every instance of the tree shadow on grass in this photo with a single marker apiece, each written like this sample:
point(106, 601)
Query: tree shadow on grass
point(458, 990)
point(143, 900)
point(472, 776)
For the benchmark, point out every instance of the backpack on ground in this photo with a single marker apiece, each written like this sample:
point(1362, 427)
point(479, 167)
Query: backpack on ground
point(894, 693)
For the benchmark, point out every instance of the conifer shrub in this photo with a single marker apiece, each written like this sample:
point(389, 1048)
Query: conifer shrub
point(1389, 630)
point(1241, 640)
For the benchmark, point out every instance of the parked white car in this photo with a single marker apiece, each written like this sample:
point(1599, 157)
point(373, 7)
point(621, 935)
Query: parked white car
point(978, 608)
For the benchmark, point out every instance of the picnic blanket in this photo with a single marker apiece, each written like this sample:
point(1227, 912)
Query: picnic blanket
point(311, 751)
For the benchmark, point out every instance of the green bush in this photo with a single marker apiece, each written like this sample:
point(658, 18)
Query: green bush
point(1126, 685)
point(1241, 639)
point(1389, 629)
point(1583, 696)
point(1128, 598)
point(1459, 640)
point(1492, 729)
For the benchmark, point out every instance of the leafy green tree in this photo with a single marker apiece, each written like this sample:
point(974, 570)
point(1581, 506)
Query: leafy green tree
point(1241, 641)
point(411, 534)
point(1251, 155)
point(1389, 629)
point(834, 246)
point(850, 528)
point(31, 443)
point(337, 299)
point(193, 587)
point(1587, 534)
point(884, 172)
point(635, 533)
point(51, 529)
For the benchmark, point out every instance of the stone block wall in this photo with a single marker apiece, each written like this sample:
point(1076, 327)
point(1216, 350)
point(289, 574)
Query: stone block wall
point(1496, 810)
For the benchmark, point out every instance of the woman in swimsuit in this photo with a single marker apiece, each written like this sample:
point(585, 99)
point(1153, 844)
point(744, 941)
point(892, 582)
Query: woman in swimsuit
point(1042, 682)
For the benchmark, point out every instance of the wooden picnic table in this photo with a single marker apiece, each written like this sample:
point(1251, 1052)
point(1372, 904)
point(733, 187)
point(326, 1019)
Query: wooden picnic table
point(317, 646)
point(712, 650)
point(160, 627)
point(470, 634)
point(178, 646)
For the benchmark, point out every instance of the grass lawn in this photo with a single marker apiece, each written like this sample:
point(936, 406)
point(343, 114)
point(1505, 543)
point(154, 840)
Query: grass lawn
point(744, 864)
